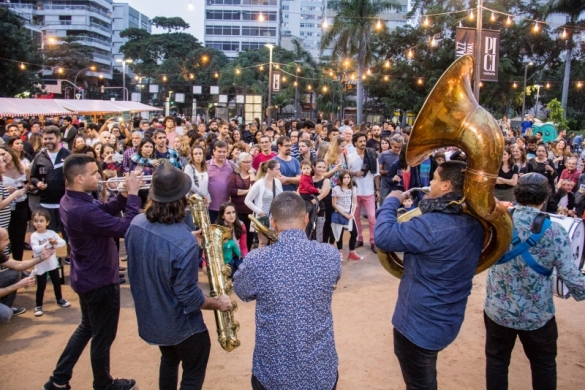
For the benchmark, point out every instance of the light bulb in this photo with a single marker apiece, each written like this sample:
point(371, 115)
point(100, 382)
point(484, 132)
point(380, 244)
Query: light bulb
point(387, 64)
point(261, 68)
point(191, 7)
point(261, 17)
point(379, 24)
point(420, 81)
point(386, 78)
point(410, 54)
point(324, 88)
point(564, 34)
point(22, 66)
point(515, 85)
point(471, 16)
point(547, 85)
point(509, 20)
point(426, 22)
point(536, 28)
point(325, 24)
point(493, 17)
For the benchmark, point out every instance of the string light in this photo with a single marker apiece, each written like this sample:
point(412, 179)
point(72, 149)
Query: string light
point(295, 83)
point(363, 77)
point(409, 54)
point(564, 34)
point(283, 79)
point(309, 87)
point(420, 81)
point(433, 42)
point(204, 58)
point(387, 64)
point(480, 84)
point(369, 72)
point(579, 84)
point(379, 25)
point(547, 85)
point(324, 88)
point(238, 71)
point(515, 85)
point(164, 78)
point(325, 24)
point(261, 68)
point(298, 69)
point(60, 70)
point(277, 66)
point(471, 17)
point(536, 27)
point(22, 66)
point(386, 78)
point(101, 76)
point(426, 22)
point(191, 76)
point(509, 21)
point(261, 17)
point(353, 76)
point(191, 7)
point(493, 17)
point(136, 78)
point(216, 75)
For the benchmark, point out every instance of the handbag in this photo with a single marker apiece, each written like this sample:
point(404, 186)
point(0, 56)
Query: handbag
point(340, 219)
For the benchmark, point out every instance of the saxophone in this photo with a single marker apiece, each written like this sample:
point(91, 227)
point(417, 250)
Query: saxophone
point(260, 228)
point(212, 243)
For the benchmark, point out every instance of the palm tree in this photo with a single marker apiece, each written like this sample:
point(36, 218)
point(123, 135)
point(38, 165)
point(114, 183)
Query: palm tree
point(573, 9)
point(350, 35)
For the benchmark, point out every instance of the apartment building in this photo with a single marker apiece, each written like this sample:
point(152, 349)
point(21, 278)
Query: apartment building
point(124, 17)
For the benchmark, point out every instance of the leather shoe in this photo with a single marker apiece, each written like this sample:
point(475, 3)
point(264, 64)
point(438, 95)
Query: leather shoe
point(122, 280)
point(121, 269)
point(121, 276)
point(359, 243)
point(374, 248)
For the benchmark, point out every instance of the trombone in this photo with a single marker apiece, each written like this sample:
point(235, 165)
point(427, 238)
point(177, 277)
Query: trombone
point(120, 183)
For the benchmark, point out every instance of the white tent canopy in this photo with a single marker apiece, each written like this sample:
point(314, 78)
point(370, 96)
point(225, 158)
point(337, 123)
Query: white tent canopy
point(10, 107)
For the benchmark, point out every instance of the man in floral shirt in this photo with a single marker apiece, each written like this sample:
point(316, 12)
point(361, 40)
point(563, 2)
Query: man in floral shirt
point(519, 299)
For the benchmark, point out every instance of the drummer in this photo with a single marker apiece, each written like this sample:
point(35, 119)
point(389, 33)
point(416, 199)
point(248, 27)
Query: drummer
point(519, 298)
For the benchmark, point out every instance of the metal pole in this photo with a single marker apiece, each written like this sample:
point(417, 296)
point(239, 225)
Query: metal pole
point(269, 122)
point(537, 96)
point(124, 80)
point(524, 92)
point(477, 72)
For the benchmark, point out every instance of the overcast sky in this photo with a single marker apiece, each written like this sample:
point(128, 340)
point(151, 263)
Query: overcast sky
point(169, 8)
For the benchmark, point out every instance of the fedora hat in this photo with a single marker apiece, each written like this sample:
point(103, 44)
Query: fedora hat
point(168, 184)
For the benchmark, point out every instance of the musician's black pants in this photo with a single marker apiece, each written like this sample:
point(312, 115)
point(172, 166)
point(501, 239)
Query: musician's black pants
point(418, 365)
point(193, 353)
point(256, 385)
point(540, 347)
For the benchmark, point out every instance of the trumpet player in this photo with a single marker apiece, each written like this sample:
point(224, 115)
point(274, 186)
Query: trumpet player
point(162, 265)
point(292, 282)
point(441, 252)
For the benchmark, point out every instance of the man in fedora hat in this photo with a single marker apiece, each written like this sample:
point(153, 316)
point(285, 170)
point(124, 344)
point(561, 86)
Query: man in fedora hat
point(163, 266)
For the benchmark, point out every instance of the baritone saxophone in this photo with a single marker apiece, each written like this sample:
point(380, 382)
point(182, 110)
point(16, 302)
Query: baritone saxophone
point(217, 272)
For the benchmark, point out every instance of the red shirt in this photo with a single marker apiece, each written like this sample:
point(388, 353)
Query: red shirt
point(306, 186)
point(260, 158)
point(573, 176)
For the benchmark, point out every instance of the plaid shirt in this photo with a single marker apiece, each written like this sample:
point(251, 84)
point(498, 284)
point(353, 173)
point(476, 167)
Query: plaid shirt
point(173, 158)
point(127, 158)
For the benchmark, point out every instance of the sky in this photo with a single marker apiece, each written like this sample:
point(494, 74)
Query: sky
point(169, 8)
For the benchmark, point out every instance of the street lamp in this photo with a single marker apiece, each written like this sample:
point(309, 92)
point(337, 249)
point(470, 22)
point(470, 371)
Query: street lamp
point(124, 62)
point(524, 92)
point(269, 122)
point(537, 96)
point(297, 108)
point(92, 68)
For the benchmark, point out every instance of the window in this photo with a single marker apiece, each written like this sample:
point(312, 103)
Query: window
point(253, 31)
point(222, 30)
point(224, 2)
point(255, 15)
point(285, 7)
point(308, 16)
point(67, 17)
point(308, 8)
point(252, 45)
point(286, 16)
point(222, 15)
point(260, 2)
point(309, 25)
point(224, 46)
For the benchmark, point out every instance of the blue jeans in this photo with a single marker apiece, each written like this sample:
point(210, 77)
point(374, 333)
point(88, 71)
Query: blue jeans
point(418, 365)
point(8, 278)
point(100, 310)
point(540, 347)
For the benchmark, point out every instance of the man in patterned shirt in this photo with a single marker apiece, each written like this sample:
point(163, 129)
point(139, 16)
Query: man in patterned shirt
point(519, 299)
point(292, 282)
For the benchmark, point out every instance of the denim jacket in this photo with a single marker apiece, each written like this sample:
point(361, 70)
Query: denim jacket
point(163, 269)
point(441, 253)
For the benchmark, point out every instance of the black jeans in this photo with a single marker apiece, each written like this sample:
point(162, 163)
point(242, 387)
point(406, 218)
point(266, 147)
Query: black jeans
point(100, 310)
point(418, 365)
point(42, 285)
point(194, 354)
point(352, 237)
point(256, 385)
point(17, 229)
point(540, 347)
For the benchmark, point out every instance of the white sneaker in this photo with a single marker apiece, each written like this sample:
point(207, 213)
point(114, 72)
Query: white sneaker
point(38, 311)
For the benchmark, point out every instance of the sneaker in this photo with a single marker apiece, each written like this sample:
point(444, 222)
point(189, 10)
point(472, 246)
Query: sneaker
point(124, 258)
point(122, 384)
point(67, 261)
point(63, 303)
point(16, 311)
point(122, 281)
point(354, 256)
point(341, 255)
point(359, 243)
point(38, 311)
point(121, 269)
point(50, 386)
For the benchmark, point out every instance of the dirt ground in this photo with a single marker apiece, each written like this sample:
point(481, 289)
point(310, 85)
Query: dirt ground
point(362, 309)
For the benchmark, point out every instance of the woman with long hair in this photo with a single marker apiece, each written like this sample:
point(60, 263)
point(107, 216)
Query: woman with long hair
point(344, 201)
point(384, 145)
point(209, 141)
point(257, 136)
point(507, 178)
point(239, 184)
point(559, 155)
point(228, 217)
point(236, 136)
point(144, 150)
point(519, 155)
point(263, 192)
point(196, 169)
point(543, 165)
point(36, 140)
point(323, 230)
point(335, 159)
point(17, 146)
point(234, 152)
point(14, 179)
point(181, 145)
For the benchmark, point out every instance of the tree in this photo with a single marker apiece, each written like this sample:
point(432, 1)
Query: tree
point(573, 10)
point(351, 33)
point(557, 114)
point(68, 57)
point(170, 24)
point(21, 58)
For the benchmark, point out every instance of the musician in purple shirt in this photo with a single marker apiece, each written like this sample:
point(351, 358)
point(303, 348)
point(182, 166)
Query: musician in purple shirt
point(92, 227)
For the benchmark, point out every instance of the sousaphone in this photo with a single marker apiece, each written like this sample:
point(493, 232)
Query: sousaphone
point(452, 117)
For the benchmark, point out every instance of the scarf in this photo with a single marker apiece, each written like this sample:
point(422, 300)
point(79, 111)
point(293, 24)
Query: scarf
point(442, 204)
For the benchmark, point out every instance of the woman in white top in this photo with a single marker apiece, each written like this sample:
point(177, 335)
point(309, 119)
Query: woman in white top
point(196, 169)
point(261, 194)
point(14, 179)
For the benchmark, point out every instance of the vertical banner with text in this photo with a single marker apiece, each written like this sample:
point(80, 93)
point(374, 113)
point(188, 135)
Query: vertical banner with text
point(275, 84)
point(490, 50)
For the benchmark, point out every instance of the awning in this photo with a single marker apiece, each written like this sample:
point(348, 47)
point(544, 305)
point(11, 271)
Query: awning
point(31, 107)
point(104, 106)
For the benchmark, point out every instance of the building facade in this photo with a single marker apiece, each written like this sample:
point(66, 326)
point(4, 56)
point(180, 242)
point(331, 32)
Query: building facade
point(124, 17)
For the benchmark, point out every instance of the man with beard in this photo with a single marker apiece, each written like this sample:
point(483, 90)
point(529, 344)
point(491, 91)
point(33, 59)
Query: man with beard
point(69, 132)
point(290, 168)
point(265, 154)
point(47, 175)
point(375, 142)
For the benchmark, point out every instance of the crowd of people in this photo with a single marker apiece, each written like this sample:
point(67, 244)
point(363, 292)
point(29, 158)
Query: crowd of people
point(83, 186)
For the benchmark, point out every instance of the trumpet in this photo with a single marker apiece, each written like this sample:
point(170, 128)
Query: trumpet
point(120, 183)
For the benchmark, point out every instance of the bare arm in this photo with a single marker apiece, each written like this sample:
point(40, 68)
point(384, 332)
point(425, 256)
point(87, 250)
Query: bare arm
point(26, 282)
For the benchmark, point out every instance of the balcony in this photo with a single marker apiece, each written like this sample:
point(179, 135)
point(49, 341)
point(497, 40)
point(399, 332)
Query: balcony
point(84, 8)
point(87, 27)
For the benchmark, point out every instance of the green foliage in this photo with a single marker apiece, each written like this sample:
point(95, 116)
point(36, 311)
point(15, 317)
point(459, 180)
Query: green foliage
point(69, 55)
point(18, 47)
point(170, 24)
point(556, 114)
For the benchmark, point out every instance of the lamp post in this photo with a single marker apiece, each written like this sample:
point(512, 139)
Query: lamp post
point(124, 62)
point(92, 68)
point(524, 92)
point(269, 122)
point(297, 108)
point(537, 110)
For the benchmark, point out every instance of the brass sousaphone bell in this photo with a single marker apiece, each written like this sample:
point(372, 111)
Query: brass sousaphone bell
point(452, 117)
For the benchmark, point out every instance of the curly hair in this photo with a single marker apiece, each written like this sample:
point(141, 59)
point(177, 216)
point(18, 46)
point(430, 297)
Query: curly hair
point(167, 213)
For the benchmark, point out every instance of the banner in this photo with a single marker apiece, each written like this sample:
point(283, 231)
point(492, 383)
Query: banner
point(275, 84)
point(490, 50)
